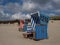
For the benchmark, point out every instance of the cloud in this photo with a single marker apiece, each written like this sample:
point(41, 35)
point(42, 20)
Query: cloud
point(28, 16)
point(16, 10)
point(1, 7)
point(41, 2)
point(56, 1)
point(4, 16)
point(2, 13)
point(58, 10)
point(1, 1)
point(28, 6)
point(13, 7)
point(31, 5)
point(20, 16)
point(50, 5)
point(52, 14)
point(16, 7)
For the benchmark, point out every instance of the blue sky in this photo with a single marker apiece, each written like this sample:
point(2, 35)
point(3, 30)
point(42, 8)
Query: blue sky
point(14, 9)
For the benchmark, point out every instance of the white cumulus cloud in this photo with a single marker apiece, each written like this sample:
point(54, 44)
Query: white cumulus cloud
point(28, 6)
point(20, 16)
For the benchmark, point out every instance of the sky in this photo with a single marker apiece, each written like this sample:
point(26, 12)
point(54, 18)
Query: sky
point(17, 9)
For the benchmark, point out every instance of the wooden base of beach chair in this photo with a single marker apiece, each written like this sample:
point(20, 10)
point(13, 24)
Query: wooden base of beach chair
point(27, 35)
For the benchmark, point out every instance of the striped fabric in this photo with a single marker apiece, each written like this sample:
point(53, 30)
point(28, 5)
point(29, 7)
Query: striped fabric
point(33, 24)
point(31, 27)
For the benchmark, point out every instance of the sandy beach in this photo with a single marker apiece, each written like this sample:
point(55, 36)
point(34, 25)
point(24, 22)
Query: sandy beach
point(9, 35)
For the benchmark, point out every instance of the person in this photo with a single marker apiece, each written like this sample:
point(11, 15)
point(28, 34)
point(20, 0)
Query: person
point(20, 25)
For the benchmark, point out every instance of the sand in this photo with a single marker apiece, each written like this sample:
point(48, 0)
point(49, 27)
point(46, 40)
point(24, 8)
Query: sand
point(9, 35)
